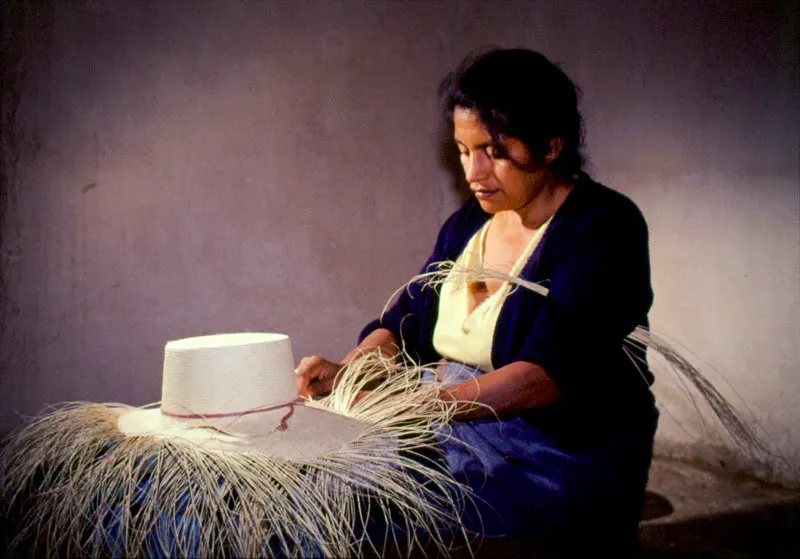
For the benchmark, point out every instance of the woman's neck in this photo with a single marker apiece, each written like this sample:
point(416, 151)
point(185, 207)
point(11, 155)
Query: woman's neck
point(536, 213)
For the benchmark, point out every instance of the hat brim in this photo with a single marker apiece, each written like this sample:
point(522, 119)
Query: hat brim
point(297, 433)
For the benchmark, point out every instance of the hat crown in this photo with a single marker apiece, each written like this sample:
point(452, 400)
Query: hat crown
point(237, 393)
point(227, 374)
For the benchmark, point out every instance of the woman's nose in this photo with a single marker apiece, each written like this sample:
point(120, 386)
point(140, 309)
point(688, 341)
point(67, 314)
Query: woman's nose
point(477, 167)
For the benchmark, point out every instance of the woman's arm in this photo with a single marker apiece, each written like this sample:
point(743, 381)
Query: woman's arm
point(316, 376)
point(381, 339)
point(506, 391)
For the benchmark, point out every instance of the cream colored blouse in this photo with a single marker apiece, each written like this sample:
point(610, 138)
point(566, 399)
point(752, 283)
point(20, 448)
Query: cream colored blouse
point(464, 331)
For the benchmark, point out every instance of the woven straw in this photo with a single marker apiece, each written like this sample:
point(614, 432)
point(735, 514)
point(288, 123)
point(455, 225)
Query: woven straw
point(236, 393)
point(228, 481)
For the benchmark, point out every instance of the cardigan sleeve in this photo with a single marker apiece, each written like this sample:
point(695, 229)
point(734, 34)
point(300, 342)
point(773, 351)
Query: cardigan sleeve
point(599, 278)
point(407, 316)
point(412, 317)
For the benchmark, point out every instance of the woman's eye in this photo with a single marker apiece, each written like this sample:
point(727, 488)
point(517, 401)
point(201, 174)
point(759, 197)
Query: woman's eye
point(496, 152)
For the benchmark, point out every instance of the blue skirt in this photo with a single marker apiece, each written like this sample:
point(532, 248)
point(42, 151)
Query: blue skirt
point(525, 486)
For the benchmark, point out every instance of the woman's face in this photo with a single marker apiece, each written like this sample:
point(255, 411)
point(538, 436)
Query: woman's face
point(502, 176)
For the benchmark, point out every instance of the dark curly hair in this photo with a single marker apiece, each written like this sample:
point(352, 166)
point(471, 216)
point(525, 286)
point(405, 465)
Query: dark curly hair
point(520, 93)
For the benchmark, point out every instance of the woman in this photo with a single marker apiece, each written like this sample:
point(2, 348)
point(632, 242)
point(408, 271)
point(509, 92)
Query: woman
point(568, 460)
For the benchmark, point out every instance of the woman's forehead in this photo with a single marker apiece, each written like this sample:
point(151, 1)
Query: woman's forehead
point(467, 122)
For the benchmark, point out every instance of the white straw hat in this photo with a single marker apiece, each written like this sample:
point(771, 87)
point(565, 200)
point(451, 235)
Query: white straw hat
point(232, 463)
point(237, 392)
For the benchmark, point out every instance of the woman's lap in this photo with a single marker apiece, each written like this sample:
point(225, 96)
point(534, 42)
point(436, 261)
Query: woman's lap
point(526, 487)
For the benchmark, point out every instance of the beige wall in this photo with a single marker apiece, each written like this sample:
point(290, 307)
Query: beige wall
point(181, 168)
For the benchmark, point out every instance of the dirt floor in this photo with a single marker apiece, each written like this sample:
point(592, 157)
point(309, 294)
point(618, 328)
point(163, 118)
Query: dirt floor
point(692, 512)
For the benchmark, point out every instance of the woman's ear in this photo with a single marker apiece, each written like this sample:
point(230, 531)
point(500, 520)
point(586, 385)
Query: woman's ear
point(556, 145)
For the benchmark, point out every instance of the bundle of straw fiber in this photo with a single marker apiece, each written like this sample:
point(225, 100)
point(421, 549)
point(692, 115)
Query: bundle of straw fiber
point(81, 481)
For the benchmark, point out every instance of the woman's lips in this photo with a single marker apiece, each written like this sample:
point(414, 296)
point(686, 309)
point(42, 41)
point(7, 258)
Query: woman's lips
point(484, 194)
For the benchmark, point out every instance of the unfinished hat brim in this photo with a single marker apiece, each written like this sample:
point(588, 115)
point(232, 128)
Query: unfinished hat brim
point(293, 432)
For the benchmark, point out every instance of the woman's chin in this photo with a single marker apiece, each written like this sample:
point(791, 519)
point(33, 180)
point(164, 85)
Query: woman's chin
point(489, 205)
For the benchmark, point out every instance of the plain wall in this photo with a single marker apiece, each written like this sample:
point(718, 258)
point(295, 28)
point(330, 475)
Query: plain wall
point(183, 168)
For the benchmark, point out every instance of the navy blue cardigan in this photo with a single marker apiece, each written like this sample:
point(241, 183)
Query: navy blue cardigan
point(594, 258)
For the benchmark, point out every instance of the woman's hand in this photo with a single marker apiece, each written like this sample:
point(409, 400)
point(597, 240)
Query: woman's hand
point(316, 376)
